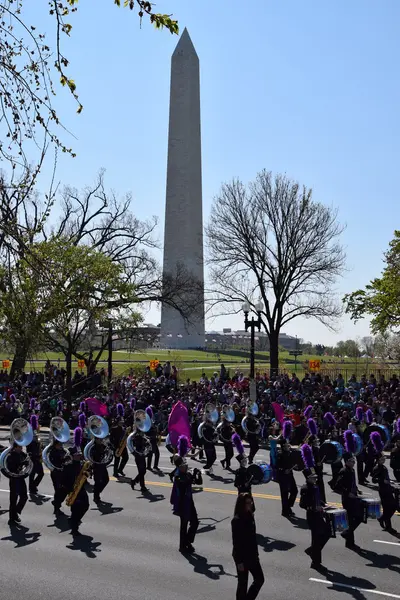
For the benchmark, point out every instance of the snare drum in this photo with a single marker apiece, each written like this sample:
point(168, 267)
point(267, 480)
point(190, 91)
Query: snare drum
point(338, 520)
point(331, 452)
point(260, 473)
point(372, 508)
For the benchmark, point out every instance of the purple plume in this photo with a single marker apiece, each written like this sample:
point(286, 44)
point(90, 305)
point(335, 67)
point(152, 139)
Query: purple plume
point(60, 406)
point(150, 412)
point(359, 413)
point(120, 410)
point(183, 445)
point(307, 456)
point(377, 442)
point(32, 403)
point(312, 426)
point(132, 403)
point(349, 441)
point(308, 411)
point(287, 429)
point(369, 417)
point(13, 398)
point(78, 437)
point(329, 418)
point(82, 406)
point(34, 422)
point(398, 426)
point(237, 442)
point(199, 407)
point(82, 421)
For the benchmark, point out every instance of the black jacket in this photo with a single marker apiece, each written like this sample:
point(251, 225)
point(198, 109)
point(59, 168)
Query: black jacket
point(395, 459)
point(244, 539)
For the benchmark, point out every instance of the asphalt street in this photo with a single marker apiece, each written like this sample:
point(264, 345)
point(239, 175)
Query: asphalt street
point(129, 548)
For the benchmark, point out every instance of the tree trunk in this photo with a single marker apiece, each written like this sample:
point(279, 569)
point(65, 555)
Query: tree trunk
point(274, 352)
point(19, 360)
point(68, 382)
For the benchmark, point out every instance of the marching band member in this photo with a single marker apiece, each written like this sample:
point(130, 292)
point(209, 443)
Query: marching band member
point(100, 471)
point(59, 458)
point(360, 457)
point(310, 500)
point(73, 471)
point(34, 450)
point(346, 485)
point(182, 497)
point(242, 480)
point(245, 549)
point(209, 447)
point(226, 431)
point(395, 453)
point(152, 435)
point(368, 451)
point(332, 431)
point(380, 475)
point(318, 466)
point(285, 477)
point(18, 492)
point(140, 449)
point(117, 437)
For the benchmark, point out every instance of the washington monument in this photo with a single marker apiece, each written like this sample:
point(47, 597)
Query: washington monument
point(183, 235)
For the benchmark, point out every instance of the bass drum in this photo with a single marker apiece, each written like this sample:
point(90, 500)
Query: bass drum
point(260, 473)
point(381, 429)
point(331, 452)
point(297, 459)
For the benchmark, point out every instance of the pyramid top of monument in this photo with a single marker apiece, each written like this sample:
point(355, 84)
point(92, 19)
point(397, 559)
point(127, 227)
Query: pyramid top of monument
point(184, 45)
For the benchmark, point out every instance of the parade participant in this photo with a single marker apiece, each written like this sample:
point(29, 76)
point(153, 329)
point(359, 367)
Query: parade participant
point(16, 462)
point(182, 498)
point(140, 448)
point(380, 475)
point(209, 435)
point(395, 453)
point(310, 500)
point(368, 453)
point(245, 549)
point(152, 435)
point(332, 431)
point(285, 477)
point(59, 458)
point(357, 423)
point(118, 437)
point(242, 479)
point(225, 431)
point(318, 466)
point(34, 450)
point(347, 487)
point(100, 471)
point(74, 473)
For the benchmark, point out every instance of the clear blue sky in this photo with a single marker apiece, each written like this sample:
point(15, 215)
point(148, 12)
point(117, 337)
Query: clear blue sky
point(305, 87)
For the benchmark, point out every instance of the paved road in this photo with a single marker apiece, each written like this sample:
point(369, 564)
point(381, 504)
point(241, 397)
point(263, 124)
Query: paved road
point(129, 549)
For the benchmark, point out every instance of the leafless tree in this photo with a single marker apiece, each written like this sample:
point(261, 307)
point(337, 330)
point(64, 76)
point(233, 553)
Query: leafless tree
point(272, 240)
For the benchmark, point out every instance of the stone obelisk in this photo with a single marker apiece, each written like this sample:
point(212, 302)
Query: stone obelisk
point(183, 235)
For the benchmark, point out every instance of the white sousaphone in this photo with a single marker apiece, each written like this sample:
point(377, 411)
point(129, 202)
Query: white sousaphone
point(98, 428)
point(141, 426)
point(21, 433)
point(60, 432)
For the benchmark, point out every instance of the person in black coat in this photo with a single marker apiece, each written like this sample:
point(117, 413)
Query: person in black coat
point(59, 458)
point(380, 475)
point(117, 434)
point(245, 549)
point(81, 505)
point(183, 504)
point(346, 486)
point(100, 471)
point(18, 492)
point(395, 457)
point(141, 449)
point(34, 450)
point(310, 500)
point(287, 483)
point(152, 435)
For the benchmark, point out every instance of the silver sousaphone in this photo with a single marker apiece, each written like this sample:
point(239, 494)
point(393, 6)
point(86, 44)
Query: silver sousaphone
point(210, 417)
point(249, 423)
point(60, 432)
point(142, 426)
point(98, 428)
point(229, 415)
point(21, 433)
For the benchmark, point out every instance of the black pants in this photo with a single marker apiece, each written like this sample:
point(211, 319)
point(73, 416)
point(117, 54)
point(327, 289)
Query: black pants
point(289, 491)
point(320, 534)
point(120, 462)
point(396, 473)
point(141, 467)
point(388, 509)
point(154, 452)
point(188, 528)
point(369, 467)
point(79, 508)
point(255, 569)
point(100, 478)
point(360, 468)
point(18, 496)
point(228, 447)
point(355, 517)
point(35, 476)
point(60, 491)
point(320, 483)
point(254, 448)
point(211, 457)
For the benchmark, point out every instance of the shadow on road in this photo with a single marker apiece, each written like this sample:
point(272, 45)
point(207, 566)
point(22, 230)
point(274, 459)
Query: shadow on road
point(61, 523)
point(381, 561)
point(349, 581)
point(202, 566)
point(300, 523)
point(211, 526)
point(107, 508)
point(269, 544)
point(38, 499)
point(151, 497)
point(20, 536)
point(86, 545)
point(221, 479)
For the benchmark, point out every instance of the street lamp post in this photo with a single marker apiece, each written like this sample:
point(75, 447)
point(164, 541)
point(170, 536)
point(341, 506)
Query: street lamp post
point(252, 324)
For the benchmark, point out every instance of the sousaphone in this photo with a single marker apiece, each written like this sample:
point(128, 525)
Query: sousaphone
point(21, 433)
